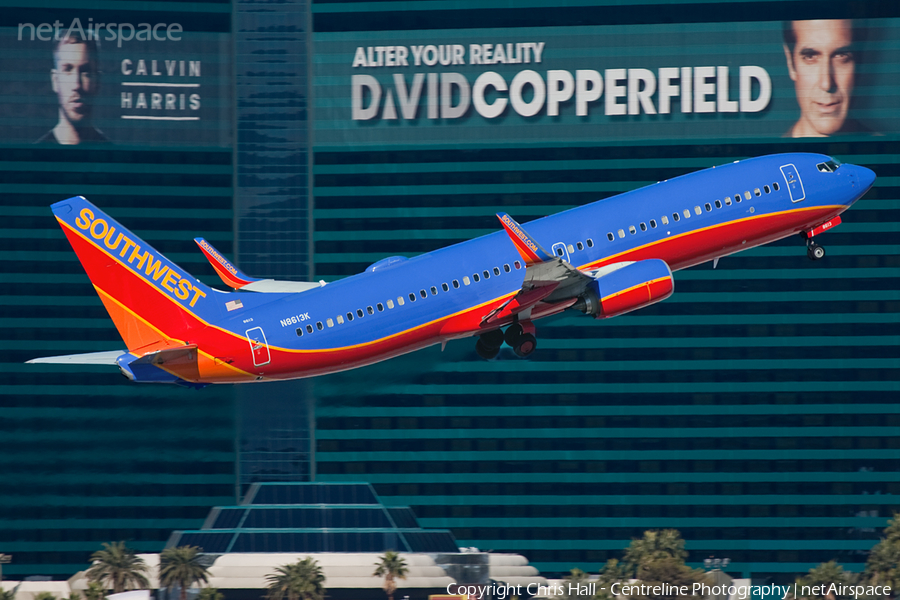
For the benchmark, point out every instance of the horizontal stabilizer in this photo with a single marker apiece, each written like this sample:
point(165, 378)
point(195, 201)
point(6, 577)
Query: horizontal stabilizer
point(167, 365)
point(530, 250)
point(273, 286)
point(91, 358)
point(236, 279)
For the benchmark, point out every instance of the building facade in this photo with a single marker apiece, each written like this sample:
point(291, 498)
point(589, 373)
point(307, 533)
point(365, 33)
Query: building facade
point(753, 410)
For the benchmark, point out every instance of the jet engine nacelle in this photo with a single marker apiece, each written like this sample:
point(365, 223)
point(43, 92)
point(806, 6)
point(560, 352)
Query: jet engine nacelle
point(623, 287)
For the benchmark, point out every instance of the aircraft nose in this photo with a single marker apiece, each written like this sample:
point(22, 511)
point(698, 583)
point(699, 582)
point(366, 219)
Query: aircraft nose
point(866, 177)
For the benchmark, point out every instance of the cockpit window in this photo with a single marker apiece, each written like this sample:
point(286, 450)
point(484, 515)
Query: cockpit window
point(829, 166)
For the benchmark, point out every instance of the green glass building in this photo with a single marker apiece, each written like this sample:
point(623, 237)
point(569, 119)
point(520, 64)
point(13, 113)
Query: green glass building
point(755, 410)
point(86, 456)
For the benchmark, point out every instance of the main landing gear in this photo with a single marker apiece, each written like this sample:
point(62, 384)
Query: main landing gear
point(488, 344)
point(519, 336)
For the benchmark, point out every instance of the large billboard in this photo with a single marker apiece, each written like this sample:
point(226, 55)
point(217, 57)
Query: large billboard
point(653, 82)
point(105, 78)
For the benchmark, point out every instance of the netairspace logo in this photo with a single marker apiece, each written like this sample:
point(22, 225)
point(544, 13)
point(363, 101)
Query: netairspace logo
point(118, 32)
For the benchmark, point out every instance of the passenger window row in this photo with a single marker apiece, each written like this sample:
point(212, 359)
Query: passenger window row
point(632, 230)
point(379, 307)
point(687, 213)
point(580, 246)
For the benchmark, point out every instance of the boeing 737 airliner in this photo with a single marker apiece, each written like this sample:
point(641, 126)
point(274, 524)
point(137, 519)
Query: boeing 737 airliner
point(604, 259)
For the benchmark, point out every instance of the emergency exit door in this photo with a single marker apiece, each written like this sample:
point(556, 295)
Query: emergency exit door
point(259, 347)
point(794, 185)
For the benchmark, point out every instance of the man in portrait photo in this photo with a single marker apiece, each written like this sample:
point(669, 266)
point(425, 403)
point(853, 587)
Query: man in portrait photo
point(821, 61)
point(75, 79)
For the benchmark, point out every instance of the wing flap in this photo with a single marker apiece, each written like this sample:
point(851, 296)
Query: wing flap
point(519, 303)
point(548, 279)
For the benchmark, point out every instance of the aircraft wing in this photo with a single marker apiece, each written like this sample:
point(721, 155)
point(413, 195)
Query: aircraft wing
point(548, 278)
point(236, 279)
point(91, 358)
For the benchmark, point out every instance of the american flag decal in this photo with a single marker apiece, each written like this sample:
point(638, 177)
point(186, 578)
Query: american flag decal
point(234, 305)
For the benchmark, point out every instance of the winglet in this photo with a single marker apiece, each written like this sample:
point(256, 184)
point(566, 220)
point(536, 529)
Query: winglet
point(530, 250)
point(231, 275)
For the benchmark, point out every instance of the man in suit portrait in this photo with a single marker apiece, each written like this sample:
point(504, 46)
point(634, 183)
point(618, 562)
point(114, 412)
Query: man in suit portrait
point(75, 80)
point(821, 61)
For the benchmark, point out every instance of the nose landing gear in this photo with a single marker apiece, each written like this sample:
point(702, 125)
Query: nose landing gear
point(519, 336)
point(814, 251)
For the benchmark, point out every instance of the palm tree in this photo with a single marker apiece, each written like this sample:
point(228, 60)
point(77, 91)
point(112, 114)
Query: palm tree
point(657, 558)
point(7, 594)
point(118, 566)
point(576, 578)
point(301, 580)
point(883, 565)
point(94, 591)
point(655, 545)
point(209, 593)
point(823, 576)
point(181, 566)
point(612, 572)
point(391, 567)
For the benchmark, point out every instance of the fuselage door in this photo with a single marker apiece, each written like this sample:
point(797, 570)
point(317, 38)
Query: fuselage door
point(559, 249)
point(794, 185)
point(259, 347)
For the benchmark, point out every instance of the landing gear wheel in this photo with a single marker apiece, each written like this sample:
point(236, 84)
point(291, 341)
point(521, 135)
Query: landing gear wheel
point(512, 334)
point(525, 346)
point(492, 339)
point(815, 251)
point(521, 340)
point(486, 352)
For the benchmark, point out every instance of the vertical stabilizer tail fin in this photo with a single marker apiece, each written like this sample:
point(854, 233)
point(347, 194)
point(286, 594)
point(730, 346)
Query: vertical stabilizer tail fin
point(150, 299)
